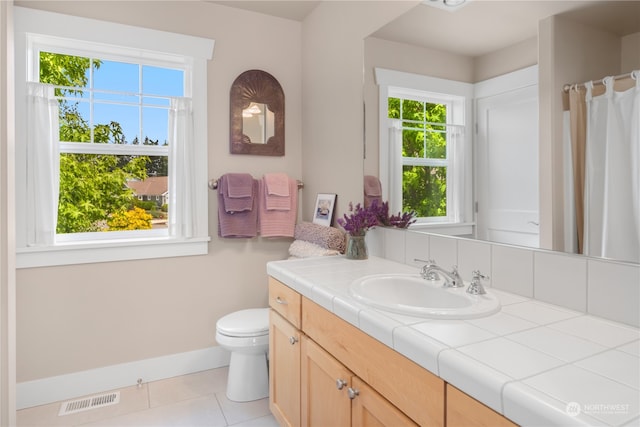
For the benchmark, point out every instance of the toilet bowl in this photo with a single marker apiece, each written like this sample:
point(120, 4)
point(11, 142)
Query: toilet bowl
point(245, 334)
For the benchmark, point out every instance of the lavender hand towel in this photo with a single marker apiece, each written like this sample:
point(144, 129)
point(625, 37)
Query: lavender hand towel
point(238, 224)
point(236, 184)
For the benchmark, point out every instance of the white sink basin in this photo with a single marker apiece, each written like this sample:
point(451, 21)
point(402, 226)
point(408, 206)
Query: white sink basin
point(412, 295)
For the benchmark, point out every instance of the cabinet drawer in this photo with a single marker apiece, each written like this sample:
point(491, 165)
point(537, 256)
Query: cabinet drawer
point(285, 301)
point(411, 388)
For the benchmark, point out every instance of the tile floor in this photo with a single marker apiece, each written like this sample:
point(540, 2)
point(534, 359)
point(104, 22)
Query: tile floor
point(191, 400)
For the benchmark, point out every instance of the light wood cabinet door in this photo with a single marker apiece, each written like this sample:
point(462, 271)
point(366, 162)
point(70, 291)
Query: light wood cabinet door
point(370, 409)
point(284, 370)
point(465, 411)
point(406, 385)
point(325, 382)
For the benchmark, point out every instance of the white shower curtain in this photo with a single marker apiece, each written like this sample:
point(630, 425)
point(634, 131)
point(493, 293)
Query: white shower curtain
point(43, 160)
point(612, 173)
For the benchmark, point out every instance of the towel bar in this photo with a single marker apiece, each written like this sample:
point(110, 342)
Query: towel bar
point(213, 184)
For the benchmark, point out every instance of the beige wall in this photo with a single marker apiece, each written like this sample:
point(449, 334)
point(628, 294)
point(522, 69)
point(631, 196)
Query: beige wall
point(96, 315)
point(631, 52)
point(7, 221)
point(408, 58)
point(88, 316)
point(333, 95)
point(512, 58)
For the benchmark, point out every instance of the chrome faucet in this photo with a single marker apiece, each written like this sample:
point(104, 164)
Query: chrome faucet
point(431, 271)
point(475, 287)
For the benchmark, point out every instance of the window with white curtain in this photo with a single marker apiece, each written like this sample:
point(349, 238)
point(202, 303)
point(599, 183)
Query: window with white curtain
point(106, 107)
point(425, 146)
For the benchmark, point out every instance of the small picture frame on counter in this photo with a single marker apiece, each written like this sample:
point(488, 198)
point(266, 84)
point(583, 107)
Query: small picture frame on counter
point(323, 213)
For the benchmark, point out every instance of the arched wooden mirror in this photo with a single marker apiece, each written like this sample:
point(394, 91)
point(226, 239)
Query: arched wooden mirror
point(257, 114)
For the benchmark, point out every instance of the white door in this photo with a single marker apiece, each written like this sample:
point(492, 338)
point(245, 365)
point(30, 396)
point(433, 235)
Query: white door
point(507, 165)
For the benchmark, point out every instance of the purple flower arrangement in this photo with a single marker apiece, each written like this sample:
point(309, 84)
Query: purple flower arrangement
point(359, 220)
point(362, 219)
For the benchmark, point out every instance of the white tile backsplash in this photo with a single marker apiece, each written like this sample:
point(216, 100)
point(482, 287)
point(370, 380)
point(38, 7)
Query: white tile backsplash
point(603, 288)
point(394, 244)
point(444, 250)
point(512, 270)
point(474, 255)
point(416, 247)
point(614, 291)
point(560, 279)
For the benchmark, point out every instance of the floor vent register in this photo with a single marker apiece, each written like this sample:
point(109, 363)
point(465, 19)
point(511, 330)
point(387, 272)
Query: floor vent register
point(88, 403)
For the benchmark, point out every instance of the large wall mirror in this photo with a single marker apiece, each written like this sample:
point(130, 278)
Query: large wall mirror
point(472, 44)
point(257, 115)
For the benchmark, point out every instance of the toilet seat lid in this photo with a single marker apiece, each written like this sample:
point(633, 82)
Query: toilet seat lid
point(245, 323)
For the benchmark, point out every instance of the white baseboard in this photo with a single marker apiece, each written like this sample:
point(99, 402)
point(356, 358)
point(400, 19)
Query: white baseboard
point(77, 384)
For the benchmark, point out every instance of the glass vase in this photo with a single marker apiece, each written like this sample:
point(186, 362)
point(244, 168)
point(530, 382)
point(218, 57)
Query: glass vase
point(357, 248)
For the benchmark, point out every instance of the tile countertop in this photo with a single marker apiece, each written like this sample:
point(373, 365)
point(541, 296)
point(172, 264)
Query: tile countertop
point(536, 363)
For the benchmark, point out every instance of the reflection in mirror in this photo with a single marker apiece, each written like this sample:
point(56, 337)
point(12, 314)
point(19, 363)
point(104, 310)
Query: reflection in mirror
point(418, 43)
point(257, 123)
point(257, 115)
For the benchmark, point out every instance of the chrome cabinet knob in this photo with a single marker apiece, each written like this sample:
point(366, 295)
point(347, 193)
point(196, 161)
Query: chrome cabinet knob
point(353, 392)
point(293, 340)
point(340, 383)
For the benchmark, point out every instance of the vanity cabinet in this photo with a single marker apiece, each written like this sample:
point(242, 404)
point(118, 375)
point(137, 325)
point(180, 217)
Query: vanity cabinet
point(333, 396)
point(284, 370)
point(463, 410)
point(284, 354)
point(326, 372)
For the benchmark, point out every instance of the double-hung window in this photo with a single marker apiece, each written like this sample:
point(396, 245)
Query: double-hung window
point(111, 132)
point(425, 151)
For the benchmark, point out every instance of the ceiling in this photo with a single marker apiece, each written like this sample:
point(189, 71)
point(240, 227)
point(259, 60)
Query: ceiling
point(481, 26)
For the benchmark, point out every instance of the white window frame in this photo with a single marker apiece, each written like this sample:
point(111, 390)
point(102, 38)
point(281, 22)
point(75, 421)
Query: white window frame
point(35, 27)
point(459, 98)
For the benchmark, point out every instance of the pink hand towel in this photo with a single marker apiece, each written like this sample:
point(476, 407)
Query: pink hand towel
point(277, 184)
point(278, 223)
point(277, 194)
point(372, 190)
point(372, 186)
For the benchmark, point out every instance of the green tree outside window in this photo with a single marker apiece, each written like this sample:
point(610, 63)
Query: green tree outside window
point(424, 136)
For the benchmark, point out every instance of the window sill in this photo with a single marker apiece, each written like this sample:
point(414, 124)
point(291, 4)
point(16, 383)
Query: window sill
point(450, 229)
point(93, 252)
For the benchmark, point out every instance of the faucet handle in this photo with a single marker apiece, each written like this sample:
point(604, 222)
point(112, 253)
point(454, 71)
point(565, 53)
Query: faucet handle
point(476, 288)
point(477, 275)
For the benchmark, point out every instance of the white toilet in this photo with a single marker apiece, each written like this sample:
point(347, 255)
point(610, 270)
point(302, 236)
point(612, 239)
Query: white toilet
point(245, 334)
